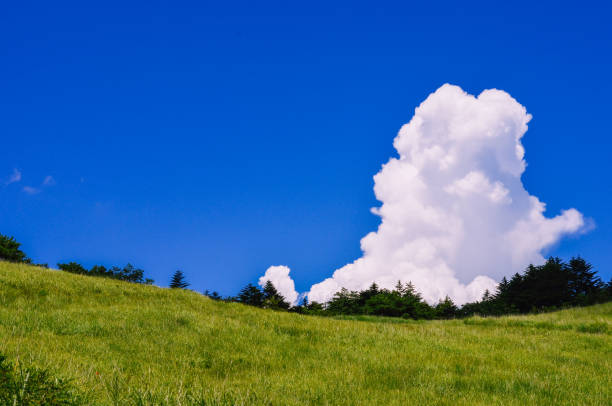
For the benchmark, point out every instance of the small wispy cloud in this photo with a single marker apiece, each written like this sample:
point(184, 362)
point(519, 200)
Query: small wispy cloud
point(15, 177)
point(49, 181)
point(31, 190)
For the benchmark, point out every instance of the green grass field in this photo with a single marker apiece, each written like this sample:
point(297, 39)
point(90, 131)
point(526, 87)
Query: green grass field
point(122, 344)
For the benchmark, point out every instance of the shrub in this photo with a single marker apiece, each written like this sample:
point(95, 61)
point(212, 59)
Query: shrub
point(34, 386)
point(9, 250)
point(128, 273)
point(73, 267)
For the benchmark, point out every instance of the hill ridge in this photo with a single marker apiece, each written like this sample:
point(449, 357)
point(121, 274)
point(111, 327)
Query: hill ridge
point(121, 342)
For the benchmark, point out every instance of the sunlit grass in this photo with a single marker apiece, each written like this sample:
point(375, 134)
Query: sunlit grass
point(132, 344)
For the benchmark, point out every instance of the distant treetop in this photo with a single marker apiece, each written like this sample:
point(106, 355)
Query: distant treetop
point(178, 280)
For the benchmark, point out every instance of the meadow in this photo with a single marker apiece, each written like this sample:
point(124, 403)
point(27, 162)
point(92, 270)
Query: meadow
point(121, 343)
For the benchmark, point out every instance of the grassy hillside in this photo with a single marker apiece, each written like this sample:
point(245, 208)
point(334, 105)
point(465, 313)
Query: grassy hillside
point(125, 343)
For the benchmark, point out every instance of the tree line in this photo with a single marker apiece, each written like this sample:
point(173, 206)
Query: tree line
point(10, 250)
point(128, 273)
point(553, 285)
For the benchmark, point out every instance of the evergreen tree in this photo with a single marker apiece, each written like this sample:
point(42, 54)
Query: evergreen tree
point(584, 283)
point(410, 291)
point(384, 303)
point(486, 296)
point(399, 288)
point(272, 298)
point(251, 295)
point(414, 305)
point(545, 286)
point(502, 288)
point(314, 308)
point(446, 309)
point(269, 290)
point(178, 280)
point(368, 293)
point(345, 302)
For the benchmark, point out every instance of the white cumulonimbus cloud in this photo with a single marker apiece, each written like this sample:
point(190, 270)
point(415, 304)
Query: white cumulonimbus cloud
point(279, 276)
point(455, 216)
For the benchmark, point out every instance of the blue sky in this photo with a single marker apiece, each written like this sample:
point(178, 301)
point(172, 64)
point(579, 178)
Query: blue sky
point(222, 139)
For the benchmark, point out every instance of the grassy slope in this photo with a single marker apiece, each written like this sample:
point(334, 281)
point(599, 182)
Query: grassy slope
point(119, 340)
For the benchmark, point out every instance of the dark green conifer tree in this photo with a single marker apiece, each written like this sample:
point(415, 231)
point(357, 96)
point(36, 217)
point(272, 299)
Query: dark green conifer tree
point(273, 299)
point(584, 282)
point(251, 295)
point(178, 280)
point(446, 309)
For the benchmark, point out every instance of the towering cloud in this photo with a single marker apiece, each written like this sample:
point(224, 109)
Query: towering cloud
point(455, 216)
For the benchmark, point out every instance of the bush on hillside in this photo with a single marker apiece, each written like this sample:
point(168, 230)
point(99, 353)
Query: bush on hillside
point(214, 295)
point(403, 301)
point(128, 273)
point(31, 386)
point(9, 250)
point(73, 267)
